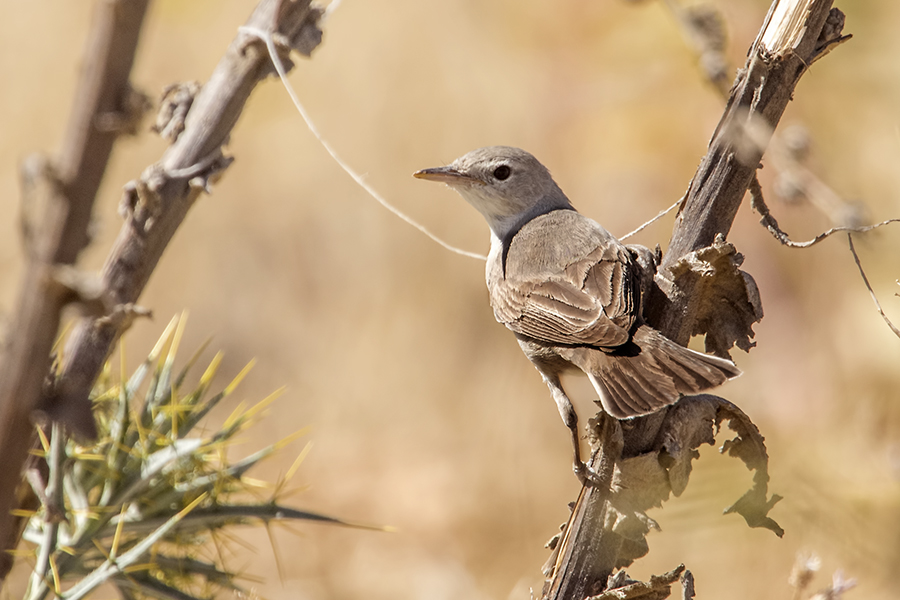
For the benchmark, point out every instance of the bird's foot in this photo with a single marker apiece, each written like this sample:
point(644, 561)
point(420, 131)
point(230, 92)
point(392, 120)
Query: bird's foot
point(587, 476)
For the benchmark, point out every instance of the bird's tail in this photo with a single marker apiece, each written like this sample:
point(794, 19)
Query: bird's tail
point(652, 373)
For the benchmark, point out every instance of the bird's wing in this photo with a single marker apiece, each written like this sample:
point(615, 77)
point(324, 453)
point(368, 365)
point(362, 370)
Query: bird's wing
point(567, 281)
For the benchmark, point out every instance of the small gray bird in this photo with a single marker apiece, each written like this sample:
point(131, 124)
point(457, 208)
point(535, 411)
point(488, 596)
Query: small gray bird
point(570, 291)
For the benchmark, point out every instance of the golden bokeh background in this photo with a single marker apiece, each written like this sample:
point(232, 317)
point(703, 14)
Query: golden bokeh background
point(424, 413)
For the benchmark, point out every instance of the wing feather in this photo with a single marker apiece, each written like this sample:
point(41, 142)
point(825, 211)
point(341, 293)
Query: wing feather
point(567, 281)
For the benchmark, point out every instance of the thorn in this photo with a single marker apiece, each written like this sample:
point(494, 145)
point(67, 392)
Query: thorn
point(122, 316)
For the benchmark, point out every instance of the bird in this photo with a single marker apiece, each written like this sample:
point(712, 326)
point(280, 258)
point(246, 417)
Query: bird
point(570, 291)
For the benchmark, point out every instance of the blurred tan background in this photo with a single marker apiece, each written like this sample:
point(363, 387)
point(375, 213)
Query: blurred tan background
point(425, 414)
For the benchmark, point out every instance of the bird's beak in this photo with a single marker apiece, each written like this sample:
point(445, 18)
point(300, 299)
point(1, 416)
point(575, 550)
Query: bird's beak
point(447, 175)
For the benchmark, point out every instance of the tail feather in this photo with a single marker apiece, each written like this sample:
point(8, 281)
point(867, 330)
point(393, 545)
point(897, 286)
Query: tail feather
point(639, 384)
point(622, 399)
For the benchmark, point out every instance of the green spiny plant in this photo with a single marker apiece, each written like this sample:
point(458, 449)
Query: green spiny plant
point(144, 509)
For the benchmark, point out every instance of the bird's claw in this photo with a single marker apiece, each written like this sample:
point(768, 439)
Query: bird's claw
point(586, 475)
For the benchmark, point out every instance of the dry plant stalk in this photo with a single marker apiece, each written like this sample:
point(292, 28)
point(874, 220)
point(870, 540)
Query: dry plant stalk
point(154, 206)
point(698, 272)
point(704, 28)
point(65, 199)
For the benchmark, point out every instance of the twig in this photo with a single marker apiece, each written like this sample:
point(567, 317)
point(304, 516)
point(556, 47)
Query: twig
point(758, 203)
point(359, 179)
point(705, 37)
point(157, 203)
point(789, 168)
point(869, 287)
point(704, 28)
point(776, 62)
point(73, 180)
point(702, 25)
point(821, 195)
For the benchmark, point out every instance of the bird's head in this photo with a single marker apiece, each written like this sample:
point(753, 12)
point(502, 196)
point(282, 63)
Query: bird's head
point(506, 185)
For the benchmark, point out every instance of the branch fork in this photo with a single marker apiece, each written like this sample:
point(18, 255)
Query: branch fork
point(607, 528)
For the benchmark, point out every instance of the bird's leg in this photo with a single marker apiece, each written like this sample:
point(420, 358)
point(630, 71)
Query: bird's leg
point(585, 474)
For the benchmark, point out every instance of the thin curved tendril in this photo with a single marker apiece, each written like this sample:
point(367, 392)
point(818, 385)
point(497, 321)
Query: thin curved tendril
point(661, 214)
point(266, 37)
point(869, 287)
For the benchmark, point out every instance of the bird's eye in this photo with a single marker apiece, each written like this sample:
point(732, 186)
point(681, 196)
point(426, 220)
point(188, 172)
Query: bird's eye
point(502, 172)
